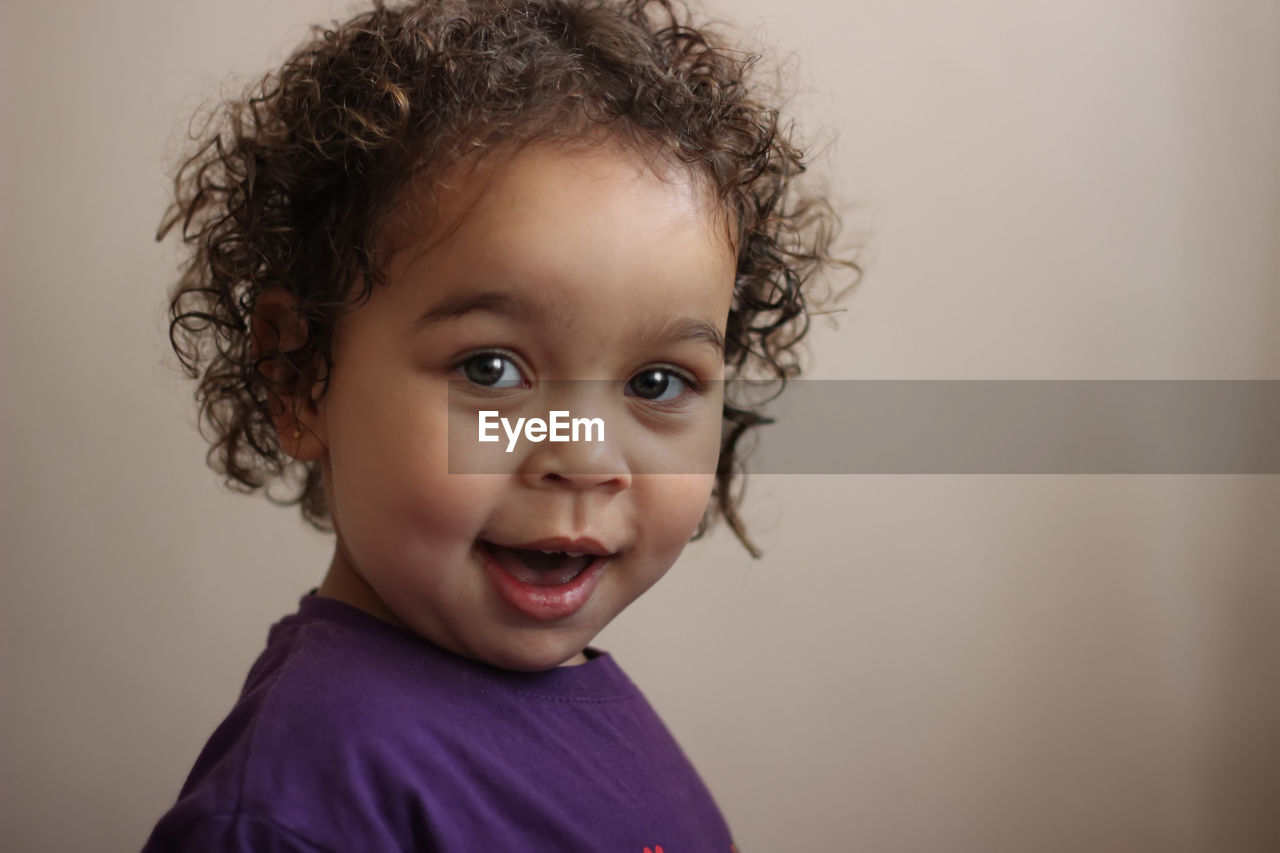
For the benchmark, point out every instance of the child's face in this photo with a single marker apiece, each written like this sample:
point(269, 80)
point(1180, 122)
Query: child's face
point(563, 265)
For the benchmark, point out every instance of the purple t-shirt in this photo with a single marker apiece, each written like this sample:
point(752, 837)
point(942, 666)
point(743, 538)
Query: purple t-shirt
point(351, 734)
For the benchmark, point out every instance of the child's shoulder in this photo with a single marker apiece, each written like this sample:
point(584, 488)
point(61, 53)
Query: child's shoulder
point(309, 750)
point(349, 728)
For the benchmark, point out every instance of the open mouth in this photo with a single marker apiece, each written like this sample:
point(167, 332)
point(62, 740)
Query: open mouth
point(546, 580)
point(538, 567)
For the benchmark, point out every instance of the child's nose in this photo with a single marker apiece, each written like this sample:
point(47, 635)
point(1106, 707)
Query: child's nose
point(581, 466)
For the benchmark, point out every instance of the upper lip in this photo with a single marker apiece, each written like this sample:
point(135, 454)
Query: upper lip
point(581, 545)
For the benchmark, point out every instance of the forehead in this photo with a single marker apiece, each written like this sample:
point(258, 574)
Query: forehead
point(540, 201)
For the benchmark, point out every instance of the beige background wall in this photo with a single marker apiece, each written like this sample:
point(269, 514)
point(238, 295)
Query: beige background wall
point(1054, 190)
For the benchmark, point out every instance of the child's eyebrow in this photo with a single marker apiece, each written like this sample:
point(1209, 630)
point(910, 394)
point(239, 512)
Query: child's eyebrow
point(673, 330)
point(492, 301)
point(681, 329)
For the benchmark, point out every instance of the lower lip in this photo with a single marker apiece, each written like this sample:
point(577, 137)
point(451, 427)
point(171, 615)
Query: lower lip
point(544, 603)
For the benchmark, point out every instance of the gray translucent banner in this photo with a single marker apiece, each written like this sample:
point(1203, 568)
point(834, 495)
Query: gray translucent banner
point(1023, 427)
point(927, 427)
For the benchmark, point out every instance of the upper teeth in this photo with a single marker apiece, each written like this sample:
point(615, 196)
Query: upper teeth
point(568, 553)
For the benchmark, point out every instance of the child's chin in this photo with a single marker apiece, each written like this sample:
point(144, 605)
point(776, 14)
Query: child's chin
point(539, 659)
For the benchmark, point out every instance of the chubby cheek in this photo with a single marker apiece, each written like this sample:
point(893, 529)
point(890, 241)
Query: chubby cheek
point(413, 511)
point(395, 502)
point(673, 505)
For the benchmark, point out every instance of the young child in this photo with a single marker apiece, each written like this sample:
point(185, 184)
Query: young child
point(433, 212)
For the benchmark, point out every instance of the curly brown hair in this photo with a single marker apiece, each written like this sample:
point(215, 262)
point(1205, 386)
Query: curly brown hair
point(291, 185)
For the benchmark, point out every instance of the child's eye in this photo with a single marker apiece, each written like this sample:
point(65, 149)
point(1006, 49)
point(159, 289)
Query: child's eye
point(659, 385)
point(492, 370)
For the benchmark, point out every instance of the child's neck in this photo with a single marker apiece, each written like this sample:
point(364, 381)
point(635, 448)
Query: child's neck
point(344, 584)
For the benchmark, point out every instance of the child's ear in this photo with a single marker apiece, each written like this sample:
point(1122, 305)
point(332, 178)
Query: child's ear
point(279, 330)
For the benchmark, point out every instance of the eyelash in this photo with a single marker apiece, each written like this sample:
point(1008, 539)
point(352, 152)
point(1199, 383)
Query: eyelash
point(510, 358)
point(691, 383)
